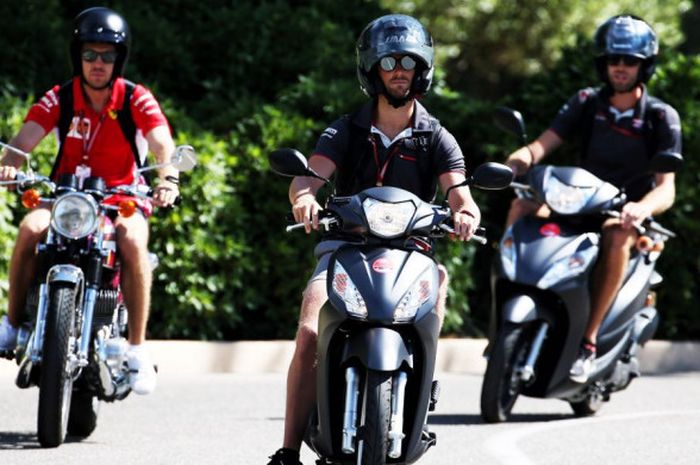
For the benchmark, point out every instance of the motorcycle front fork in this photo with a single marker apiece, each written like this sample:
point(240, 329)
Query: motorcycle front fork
point(352, 393)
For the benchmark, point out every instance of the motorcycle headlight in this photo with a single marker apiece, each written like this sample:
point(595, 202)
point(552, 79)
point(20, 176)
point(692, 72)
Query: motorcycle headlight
point(74, 215)
point(346, 290)
point(566, 199)
point(416, 296)
point(508, 255)
point(567, 268)
point(388, 220)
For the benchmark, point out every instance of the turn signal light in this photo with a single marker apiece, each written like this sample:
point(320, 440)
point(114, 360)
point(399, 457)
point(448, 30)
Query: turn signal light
point(31, 198)
point(645, 243)
point(127, 208)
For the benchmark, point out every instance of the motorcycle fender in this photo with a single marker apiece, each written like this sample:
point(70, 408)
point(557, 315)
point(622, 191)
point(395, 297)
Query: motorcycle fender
point(520, 309)
point(65, 274)
point(380, 349)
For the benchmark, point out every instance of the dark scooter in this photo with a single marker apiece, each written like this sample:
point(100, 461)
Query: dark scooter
point(541, 288)
point(378, 333)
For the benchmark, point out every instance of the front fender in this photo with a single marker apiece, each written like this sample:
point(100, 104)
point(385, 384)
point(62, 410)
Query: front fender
point(380, 349)
point(520, 309)
point(65, 274)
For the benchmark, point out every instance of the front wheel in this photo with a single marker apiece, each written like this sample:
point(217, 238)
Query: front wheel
point(376, 414)
point(56, 383)
point(502, 383)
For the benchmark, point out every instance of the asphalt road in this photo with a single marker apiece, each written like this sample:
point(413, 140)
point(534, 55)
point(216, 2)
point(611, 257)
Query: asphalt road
point(237, 419)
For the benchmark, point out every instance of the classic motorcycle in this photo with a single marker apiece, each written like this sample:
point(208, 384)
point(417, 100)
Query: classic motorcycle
point(541, 288)
point(72, 344)
point(378, 332)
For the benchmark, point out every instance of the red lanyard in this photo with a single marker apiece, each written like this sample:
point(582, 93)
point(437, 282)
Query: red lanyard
point(89, 141)
point(381, 170)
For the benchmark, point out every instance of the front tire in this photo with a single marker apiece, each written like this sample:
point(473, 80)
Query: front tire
point(376, 414)
point(502, 384)
point(56, 383)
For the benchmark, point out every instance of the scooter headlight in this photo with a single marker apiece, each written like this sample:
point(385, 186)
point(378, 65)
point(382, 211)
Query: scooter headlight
point(567, 268)
point(417, 295)
point(508, 254)
point(388, 220)
point(74, 215)
point(566, 199)
point(346, 290)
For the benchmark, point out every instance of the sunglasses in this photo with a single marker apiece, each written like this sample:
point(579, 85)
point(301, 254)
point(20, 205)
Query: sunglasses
point(91, 56)
point(626, 60)
point(389, 63)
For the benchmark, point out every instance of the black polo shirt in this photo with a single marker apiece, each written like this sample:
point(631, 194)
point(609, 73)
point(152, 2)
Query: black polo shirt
point(411, 163)
point(618, 149)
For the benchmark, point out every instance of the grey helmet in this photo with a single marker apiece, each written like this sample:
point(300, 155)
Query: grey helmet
point(391, 35)
point(99, 24)
point(626, 35)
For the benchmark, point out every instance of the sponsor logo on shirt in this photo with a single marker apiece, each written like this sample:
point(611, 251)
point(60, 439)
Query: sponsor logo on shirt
point(329, 132)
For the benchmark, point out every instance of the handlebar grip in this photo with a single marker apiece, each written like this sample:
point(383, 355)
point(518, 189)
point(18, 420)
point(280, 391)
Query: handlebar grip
point(294, 227)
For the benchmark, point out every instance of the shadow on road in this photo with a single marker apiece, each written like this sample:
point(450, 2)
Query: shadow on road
point(15, 440)
point(470, 419)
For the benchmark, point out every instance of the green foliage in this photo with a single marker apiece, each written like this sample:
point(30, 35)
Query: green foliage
point(489, 45)
point(236, 84)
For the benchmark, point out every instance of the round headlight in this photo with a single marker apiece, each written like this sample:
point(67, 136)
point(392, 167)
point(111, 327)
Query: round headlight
point(74, 215)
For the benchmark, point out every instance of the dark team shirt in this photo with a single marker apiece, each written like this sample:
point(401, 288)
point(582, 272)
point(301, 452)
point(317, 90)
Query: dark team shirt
point(618, 149)
point(412, 163)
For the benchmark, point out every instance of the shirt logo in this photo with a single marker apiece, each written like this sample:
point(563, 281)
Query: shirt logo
point(79, 128)
point(329, 132)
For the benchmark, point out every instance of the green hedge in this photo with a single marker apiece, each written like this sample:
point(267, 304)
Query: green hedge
point(235, 88)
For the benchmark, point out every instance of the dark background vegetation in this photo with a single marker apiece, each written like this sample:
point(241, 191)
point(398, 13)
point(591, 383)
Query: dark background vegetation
point(241, 78)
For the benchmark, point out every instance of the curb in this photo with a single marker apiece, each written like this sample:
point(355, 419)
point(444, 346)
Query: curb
point(454, 356)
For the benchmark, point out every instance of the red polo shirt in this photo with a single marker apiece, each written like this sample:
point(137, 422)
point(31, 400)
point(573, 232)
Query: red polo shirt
point(96, 139)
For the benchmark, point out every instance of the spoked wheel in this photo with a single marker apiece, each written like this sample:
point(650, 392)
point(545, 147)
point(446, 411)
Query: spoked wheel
point(56, 383)
point(376, 414)
point(502, 383)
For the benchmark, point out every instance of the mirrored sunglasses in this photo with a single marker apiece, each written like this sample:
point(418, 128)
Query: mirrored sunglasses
point(626, 60)
point(106, 57)
point(389, 63)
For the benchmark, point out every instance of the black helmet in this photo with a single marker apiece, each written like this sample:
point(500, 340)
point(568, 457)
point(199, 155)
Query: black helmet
point(389, 35)
point(626, 35)
point(99, 24)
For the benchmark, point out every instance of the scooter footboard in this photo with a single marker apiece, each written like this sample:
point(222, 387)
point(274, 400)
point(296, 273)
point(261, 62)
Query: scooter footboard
point(380, 349)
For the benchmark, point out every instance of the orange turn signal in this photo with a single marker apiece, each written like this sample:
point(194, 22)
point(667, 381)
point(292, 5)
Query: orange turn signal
point(127, 208)
point(31, 198)
point(644, 243)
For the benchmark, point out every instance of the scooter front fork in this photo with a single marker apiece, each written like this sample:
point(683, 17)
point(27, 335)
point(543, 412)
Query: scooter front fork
point(527, 372)
point(398, 397)
point(352, 392)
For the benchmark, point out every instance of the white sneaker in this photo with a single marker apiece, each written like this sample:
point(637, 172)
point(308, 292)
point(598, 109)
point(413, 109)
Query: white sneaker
point(8, 335)
point(142, 372)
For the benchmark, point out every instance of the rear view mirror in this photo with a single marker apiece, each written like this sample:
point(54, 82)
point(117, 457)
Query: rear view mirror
point(291, 162)
point(511, 121)
point(184, 158)
point(492, 176)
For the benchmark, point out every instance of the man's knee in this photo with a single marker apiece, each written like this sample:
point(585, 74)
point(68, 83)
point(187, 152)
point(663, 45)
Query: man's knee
point(32, 228)
point(132, 237)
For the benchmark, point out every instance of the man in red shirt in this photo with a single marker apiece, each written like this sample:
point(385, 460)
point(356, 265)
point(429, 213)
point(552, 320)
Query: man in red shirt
point(95, 145)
